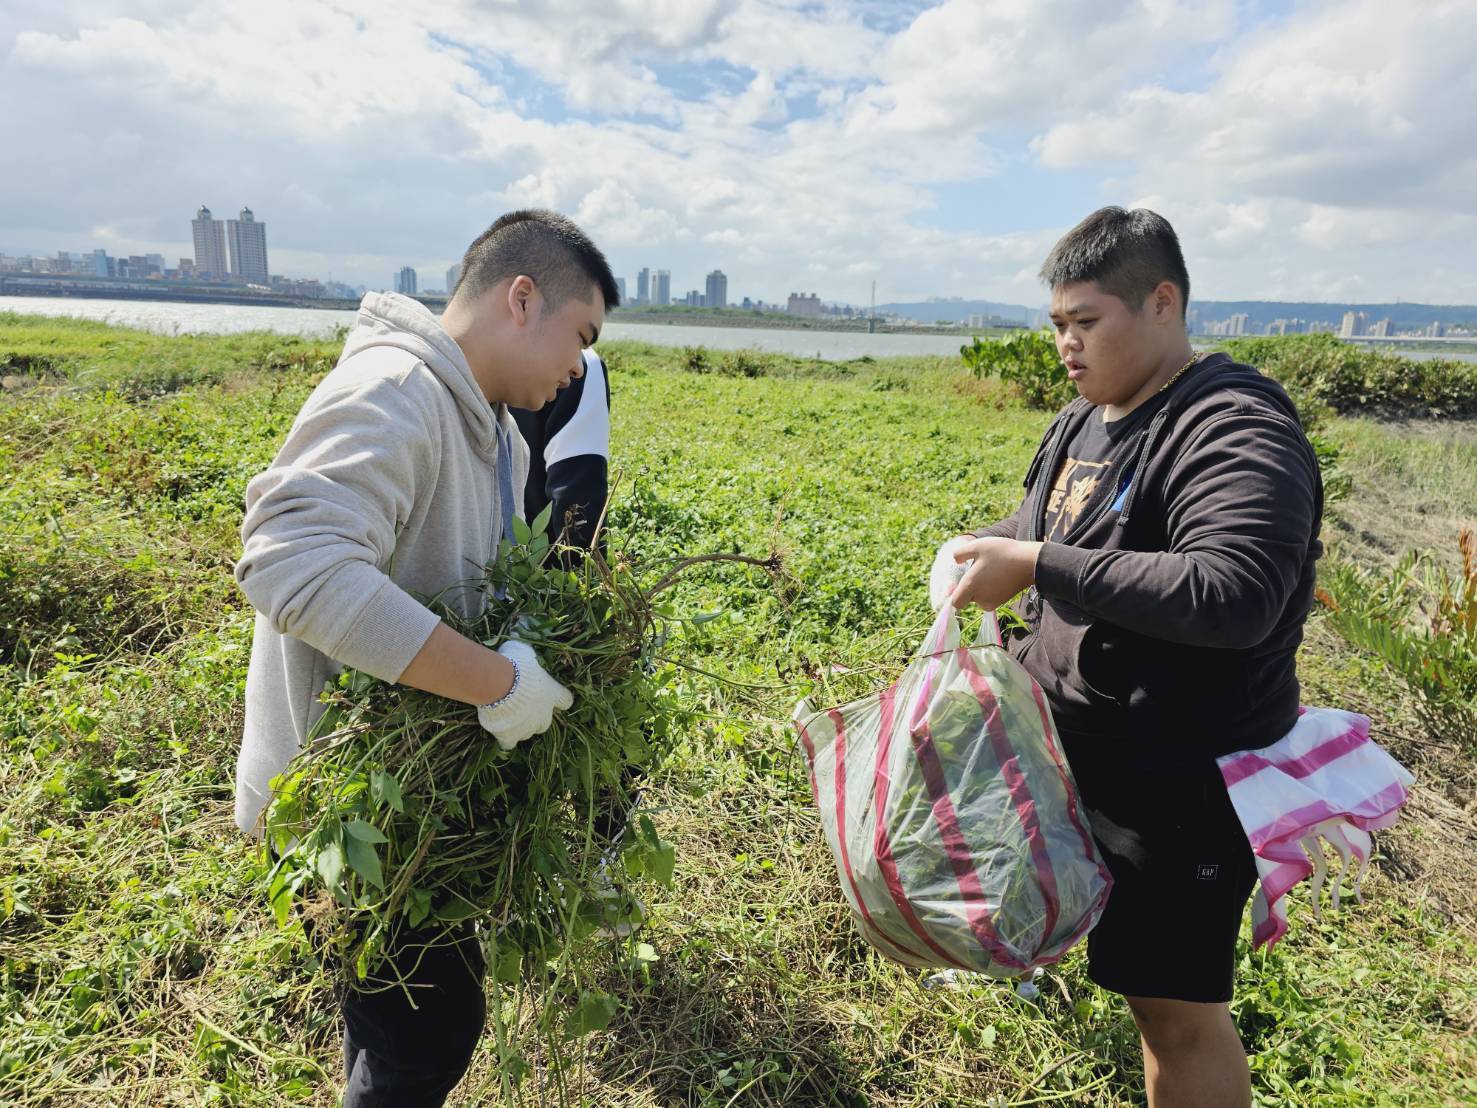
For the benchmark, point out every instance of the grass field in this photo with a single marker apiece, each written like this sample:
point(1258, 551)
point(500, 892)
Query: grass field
point(139, 964)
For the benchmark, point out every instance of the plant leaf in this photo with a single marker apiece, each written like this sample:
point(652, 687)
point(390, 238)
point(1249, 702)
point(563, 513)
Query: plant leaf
point(540, 525)
point(365, 832)
point(594, 1012)
point(385, 788)
point(457, 909)
point(365, 862)
point(417, 906)
point(329, 863)
point(661, 863)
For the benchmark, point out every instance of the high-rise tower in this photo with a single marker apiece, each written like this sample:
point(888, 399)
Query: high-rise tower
point(210, 245)
point(248, 242)
point(716, 295)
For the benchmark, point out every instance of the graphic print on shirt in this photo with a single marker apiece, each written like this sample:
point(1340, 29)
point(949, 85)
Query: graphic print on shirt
point(1076, 482)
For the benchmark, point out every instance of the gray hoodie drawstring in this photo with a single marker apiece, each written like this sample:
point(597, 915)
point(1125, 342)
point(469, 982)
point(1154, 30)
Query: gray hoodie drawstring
point(505, 504)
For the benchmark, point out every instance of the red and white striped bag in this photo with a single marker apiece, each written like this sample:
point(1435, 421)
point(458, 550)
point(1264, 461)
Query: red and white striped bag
point(1327, 780)
point(956, 826)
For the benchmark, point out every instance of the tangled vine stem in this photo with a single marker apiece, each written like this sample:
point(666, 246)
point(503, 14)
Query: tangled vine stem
point(770, 565)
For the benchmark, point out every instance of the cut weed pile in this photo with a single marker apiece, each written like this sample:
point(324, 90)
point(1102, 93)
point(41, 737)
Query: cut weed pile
point(140, 965)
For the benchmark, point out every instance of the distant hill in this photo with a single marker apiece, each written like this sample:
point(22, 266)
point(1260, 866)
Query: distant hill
point(956, 311)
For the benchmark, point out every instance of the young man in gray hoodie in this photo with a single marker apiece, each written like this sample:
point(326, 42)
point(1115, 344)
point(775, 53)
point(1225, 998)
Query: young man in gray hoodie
point(399, 476)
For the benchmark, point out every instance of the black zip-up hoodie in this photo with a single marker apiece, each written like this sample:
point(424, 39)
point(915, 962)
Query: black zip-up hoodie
point(1165, 629)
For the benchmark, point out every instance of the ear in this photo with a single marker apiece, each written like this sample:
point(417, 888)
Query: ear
point(520, 298)
point(1166, 301)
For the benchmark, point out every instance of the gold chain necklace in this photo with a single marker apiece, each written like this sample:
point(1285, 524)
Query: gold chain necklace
point(1180, 372)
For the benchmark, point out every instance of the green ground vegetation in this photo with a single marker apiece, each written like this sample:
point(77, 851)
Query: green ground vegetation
point(140, 964)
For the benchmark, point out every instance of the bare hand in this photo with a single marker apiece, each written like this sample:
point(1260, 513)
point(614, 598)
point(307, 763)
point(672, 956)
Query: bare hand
point(1002, 568)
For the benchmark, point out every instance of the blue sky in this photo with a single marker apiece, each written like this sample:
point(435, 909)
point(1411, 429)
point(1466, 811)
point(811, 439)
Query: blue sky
point(1303, 150)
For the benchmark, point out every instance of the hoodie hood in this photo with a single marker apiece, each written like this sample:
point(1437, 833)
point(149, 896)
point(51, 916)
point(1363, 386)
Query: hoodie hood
point(1216, 380)
point(390, 319)
point(1218, 371)
point(1214, 372)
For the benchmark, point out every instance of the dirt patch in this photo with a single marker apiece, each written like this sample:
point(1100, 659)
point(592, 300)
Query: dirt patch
point(1413, 489)
point(1433, 850)
point(37, 367)
point(1378, 527)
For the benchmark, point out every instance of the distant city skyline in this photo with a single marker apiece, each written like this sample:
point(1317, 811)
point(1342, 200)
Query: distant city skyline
point(1205, 318)
point(234, 253)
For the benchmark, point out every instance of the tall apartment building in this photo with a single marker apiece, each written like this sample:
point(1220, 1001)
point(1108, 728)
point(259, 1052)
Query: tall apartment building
point(210, 246)
point(806, 304)
point(248, 242)
point(453, 277)
point(405, 281)
point(643, 286)
point(661, 287)
point(716, 295)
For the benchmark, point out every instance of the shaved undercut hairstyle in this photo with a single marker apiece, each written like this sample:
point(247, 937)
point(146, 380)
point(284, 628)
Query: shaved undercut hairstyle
point(544, 246)
point(1126, 254)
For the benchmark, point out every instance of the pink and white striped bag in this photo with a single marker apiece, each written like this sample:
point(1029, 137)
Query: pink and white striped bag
point(1325, 779)
point(955, 824)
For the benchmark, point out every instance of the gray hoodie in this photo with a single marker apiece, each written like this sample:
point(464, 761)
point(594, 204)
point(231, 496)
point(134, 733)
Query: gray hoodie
point(385, 491)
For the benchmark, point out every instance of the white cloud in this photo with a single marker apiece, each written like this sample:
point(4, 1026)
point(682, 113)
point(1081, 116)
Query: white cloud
point(1336, 143)
point(612, 214)
point(994, 63)
point(770, 138)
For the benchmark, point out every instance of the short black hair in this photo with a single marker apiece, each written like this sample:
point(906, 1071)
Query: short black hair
point(542, 245)
point(1125, 253)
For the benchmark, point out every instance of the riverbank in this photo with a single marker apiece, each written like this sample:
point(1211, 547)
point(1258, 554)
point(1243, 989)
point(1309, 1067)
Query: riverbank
point(783, 321)
point(224, 319)
point(725, 330)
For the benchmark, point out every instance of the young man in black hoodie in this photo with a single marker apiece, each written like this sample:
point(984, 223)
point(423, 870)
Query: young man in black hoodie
point(1167, 540)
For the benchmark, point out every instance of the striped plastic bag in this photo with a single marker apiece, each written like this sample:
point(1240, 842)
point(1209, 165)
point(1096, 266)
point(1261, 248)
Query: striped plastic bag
point(956, 827)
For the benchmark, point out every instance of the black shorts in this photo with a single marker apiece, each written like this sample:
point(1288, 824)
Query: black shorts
point(1182, 874)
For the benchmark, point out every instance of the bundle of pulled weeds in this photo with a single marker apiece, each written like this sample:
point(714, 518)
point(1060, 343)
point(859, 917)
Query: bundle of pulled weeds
point(403, 815)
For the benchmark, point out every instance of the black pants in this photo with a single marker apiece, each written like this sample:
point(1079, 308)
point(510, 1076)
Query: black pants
point(1182, 874)
point(408, 1047)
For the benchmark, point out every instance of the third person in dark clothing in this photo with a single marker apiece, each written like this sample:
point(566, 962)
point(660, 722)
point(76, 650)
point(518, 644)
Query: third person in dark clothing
point(569, 454)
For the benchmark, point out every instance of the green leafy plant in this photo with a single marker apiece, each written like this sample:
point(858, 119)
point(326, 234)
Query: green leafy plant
point(1420, 619)
point(742, 363)
point(403, 813)
point(1027, 361)
point(1321, 369)
point(695, 359)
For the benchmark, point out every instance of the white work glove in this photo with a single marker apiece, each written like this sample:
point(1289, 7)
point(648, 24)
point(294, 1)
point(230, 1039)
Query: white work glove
point(946, 573)
point(529, 706)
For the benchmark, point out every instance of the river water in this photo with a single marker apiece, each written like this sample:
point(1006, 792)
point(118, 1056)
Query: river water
point(168, 317)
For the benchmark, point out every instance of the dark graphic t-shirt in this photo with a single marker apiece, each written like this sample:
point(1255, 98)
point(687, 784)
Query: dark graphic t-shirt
point(1086, 478)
